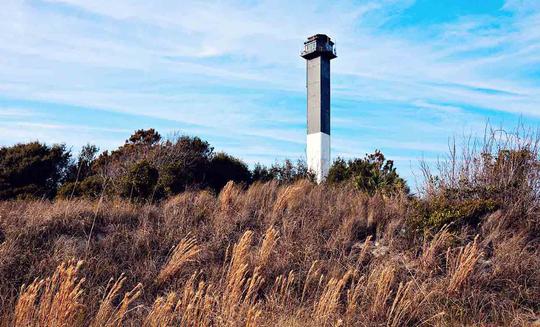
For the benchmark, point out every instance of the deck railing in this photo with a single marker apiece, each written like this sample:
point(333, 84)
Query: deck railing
point(309, 48)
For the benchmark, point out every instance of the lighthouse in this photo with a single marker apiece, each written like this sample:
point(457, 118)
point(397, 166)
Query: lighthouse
point(318, 51)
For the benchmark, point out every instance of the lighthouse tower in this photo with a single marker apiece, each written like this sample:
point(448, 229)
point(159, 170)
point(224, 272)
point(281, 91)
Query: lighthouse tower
point(318, 51)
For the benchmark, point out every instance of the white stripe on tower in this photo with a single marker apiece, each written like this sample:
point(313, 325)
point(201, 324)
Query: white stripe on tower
point(318, 155)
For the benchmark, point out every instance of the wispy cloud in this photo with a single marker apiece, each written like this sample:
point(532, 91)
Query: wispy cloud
point(230, 71)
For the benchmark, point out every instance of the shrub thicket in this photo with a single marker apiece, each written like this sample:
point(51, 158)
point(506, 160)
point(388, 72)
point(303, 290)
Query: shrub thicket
point(32, 170)
point(183, 163)
point(284, 173)
point(148, 168)
point(224, 168)
point(140, 182)
point(371, 174)
point(501, 172)
point(91, 187)
point(81, 168)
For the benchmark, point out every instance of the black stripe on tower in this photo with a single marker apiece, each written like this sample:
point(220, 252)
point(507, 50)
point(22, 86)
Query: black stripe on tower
point(318, 89)
point(325, 95)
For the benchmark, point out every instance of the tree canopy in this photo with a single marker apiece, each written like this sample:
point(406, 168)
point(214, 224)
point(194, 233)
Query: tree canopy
point(32, 170)
point(369, 174)
point(148, 168)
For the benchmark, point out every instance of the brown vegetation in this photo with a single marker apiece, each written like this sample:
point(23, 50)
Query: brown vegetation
point(283, 255)
point(297, 255)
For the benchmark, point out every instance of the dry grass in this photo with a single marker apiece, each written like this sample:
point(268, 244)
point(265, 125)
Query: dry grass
point(267, 246)
point(186, 251)
point(380, 283)
point(281, 293)
point(461, 265)
point(112, 315)
point(239, 299)
point(431, 250)
point(270, 255)
point(328, 305)
point(195, 305)
point(55, 301)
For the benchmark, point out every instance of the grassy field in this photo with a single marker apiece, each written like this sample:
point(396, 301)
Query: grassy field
point(289, 255)
point(463, 250)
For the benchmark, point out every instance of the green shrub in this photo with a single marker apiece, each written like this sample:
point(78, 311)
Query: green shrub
point(91, 187)
point(224, 168)
point(285, 173)
point(144, 137)
point(339, 171)
point(82, 168)
point(434, 213)
point(183, 163)
point(371, 174)
point(141, 181)
point(261, 174)
point(288, 172)
point(31, 170)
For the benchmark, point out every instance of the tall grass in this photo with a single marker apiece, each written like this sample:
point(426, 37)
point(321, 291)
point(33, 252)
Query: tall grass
point(284, 255)
point(111, 315)
point(54, 301)
point(186, 251)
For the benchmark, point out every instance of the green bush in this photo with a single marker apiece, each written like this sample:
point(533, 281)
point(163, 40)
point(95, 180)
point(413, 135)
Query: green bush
point(261, 174)
point(82, 168)
point(141, 182)
point(144, 137)
point(435, 212)
point(32, 170)
point(224, 168)
point(183, 163)
point(288, 172)
point(91, 187)
point(371, 174)
point(146, 166)
point(142, 145)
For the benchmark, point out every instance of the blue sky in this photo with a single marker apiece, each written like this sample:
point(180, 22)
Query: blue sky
point(410, 74)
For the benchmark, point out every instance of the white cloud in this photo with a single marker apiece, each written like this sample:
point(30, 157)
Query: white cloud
point(15, 113)
point(215, 65)
point(259, 39)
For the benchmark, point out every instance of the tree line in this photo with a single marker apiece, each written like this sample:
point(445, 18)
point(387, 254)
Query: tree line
point(149, 167)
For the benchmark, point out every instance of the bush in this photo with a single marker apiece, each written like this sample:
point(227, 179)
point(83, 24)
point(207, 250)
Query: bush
point(502, 172)
point(285, 173)
point(82, 168)
point(183, 163)
point(141, 181)
point(224, 168)
point(339, 172)
point(371, 174)
point(144, 137)
point(261, 174)
point(91, 187)
point(31, 170)
point(437, 212)
point(140, 146)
